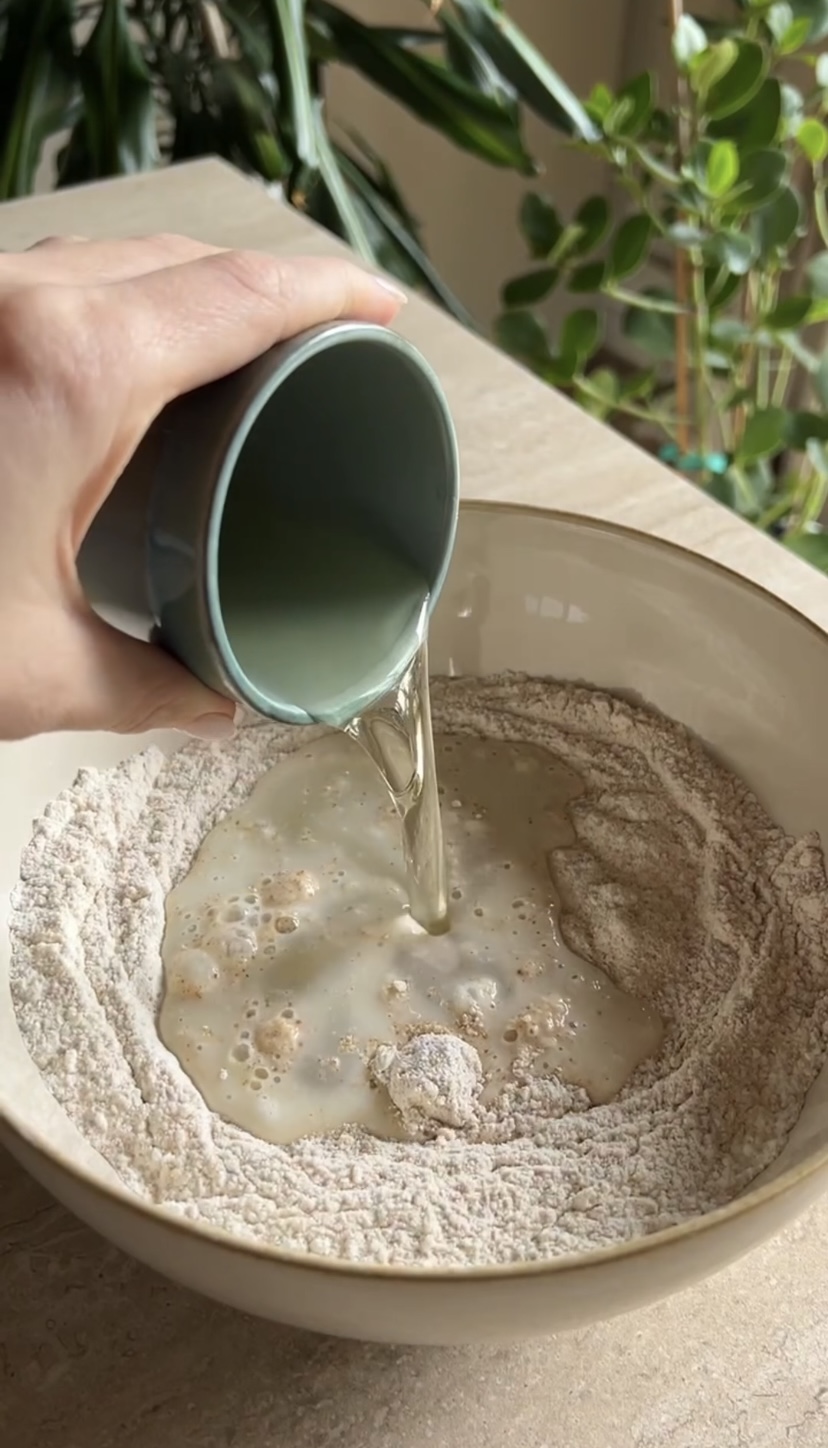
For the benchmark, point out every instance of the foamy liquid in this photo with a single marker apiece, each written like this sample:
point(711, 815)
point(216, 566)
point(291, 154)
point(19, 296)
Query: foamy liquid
point(290, 953)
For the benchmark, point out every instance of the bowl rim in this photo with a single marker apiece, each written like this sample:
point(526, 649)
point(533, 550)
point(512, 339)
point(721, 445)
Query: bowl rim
point(752, 1200)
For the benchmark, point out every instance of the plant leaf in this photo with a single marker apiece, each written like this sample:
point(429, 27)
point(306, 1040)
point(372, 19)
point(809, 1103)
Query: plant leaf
point(540, 224)
point(813, 138)
point(734, 249)
point(816, 12)
point(764, 434)
point(588, 278)
point(775, 225)
point(394, 242)
point(521, 63)
point(653, 332)
point(525, 291)
point(790, 312)
point(755, 125)
point(762, 176)
point(473, 120)
point(580, 336)
point(522, 336)
point(739, 83)
point(722, 168)
point(630, 246)
point(116, 132)
point(39, 95)
point(637, 99)
point(817, 274)
point(593, 219)
point(811, 547)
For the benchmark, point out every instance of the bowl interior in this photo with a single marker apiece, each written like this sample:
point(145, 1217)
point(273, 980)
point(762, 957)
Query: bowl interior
point(551, 595)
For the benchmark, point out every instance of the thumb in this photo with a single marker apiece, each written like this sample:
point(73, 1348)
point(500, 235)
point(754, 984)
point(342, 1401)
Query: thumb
point(121, 685)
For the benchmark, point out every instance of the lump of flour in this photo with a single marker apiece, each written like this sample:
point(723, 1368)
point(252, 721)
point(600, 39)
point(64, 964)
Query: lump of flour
point(438, 1077)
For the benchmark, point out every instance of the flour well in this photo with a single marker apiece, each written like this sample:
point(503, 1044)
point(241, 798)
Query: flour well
point(677, 884)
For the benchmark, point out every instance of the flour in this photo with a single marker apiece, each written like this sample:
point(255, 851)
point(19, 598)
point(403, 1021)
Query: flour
point(431, 1078)
point(678, 885)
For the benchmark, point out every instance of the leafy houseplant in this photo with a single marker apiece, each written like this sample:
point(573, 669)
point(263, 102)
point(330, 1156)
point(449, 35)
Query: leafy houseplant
point(725, 190)
point(137, 81)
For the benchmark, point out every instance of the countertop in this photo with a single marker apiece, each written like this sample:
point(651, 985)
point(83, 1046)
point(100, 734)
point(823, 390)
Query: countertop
point(96, 1351)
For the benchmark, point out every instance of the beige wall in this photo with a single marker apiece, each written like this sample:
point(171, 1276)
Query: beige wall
point(470, 209)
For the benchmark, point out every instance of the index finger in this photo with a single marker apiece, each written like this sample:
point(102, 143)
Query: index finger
point(187, 325)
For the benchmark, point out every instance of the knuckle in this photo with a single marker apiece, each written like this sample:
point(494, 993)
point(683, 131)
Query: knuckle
point(266, 277)
point(44, 339)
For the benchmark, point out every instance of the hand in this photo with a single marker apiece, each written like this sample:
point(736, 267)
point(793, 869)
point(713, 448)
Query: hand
point(96, 337)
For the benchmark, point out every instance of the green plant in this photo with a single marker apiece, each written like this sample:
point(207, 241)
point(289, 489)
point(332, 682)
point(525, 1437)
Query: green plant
point(134, 82)
point(725, 196)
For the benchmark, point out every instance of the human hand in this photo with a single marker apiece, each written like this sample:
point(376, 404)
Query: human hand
point(96, 337)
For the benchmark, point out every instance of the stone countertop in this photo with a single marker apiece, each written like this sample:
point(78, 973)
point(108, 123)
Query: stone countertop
point(96, 1351)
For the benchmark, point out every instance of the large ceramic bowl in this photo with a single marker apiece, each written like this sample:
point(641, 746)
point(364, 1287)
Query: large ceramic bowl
point(550, 595)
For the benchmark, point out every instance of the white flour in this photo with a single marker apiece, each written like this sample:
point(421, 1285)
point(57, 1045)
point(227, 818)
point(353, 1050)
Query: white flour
point(679, 886)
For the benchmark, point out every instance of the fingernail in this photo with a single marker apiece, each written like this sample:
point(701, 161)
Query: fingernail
point(213, 726)
point(393, 291)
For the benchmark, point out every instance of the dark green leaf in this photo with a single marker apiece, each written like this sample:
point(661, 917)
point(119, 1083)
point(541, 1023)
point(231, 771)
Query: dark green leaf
point(811, 547)
point(39, 96)
point(521, 63)
point(722, 168)
point(522, 336)
point(630, 246)
point(800, 426)
point(593, 218)
point(540, 224)
point(790, 312)
point(588, 278)
point(476, 122)
point(720, 285)
point(777, 224)
point(471, 61)
point(689, 40)
point(764, 434)
point(756, 124)
point(653, 332)
point(116, 132)
point(762, 177)
point(637, 99)
point(580, 336)
point(734, 249)
point(246, 120)
point(740, 82)
point(395, 242)
point(525, 291)
point(813, 138)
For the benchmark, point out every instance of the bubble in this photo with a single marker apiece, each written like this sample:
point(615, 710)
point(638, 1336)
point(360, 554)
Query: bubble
point(245, 1035)
point(255, 1085)
point(287, 1013)
point(261, 1073)
point(456, 894)
point(241, 1053)
point(478, 910)
point(510, 1035)
point(286, 924)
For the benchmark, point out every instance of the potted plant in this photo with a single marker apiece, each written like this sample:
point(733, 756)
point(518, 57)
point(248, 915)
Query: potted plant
point(716, 259)
point(137, 82)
